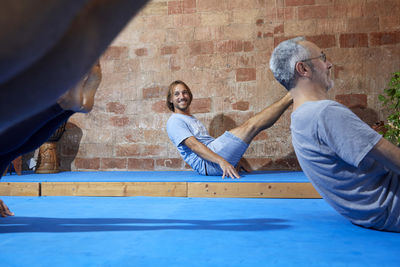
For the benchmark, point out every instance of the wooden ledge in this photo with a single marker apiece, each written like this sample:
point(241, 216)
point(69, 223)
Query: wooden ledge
point(253, 190)
point(19, 189)
point(120, 189)
point(162, 189)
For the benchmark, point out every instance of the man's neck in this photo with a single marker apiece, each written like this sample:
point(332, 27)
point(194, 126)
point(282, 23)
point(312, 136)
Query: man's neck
point(182, 112)
point(306, 93)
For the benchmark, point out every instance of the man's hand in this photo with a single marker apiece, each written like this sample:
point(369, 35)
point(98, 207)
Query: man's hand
point(243, 165)
point(4, 211)
point(228, 169)
point(203, 151)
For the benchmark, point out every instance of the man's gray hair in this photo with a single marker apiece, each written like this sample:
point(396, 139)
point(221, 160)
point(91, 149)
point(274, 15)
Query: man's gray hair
point(283, 61)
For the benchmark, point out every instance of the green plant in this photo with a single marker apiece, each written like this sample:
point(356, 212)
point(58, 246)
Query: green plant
point(391, 101)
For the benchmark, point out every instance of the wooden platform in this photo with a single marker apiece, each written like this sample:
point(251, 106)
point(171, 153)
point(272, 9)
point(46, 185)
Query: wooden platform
point(19, 189)
point(168, 184)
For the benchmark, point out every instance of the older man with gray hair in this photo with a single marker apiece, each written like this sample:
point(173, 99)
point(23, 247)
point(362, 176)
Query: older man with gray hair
point(353, 168)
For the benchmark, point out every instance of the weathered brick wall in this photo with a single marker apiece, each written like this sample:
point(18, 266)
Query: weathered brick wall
point(221, 48)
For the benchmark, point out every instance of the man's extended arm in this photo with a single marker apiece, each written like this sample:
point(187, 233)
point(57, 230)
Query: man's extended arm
point(386, 153)
point(207, 154)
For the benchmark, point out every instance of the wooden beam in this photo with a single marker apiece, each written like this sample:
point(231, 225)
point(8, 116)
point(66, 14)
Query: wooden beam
point(168, 189)
point(253, 190)
point(19, 189)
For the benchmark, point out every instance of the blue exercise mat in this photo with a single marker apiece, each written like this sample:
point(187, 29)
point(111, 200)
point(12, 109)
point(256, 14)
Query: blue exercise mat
point(164, 231)
point(157, 176)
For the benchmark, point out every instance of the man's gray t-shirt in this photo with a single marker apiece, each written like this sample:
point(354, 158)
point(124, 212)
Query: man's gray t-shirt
point(331, 144)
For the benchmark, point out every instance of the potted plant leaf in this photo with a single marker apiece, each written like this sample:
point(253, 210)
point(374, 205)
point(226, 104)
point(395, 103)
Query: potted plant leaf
point(391, 101)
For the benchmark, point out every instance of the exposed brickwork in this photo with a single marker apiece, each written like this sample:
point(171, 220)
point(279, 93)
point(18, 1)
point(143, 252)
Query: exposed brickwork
point(119, 121)
point(279, 29)
point(299, 2)
point(155, 8)
point(160, 107)
point(154, 92)
point(323, 41)
point(141, 52)
point(389, 23)
point(241, 105)
point(210, 5)
point(115, 107)
point(170, 163)
point(337, 70)
point(261, 136)
point(278, 40)
point(248, 46)
point(363, 25)
point(353, 40)
point(353, 100)
point(186, 20)
point(175, 7)
point(168, 50)
point(113, 163)
point(229, 46)
point(152, 150)
point(258, 164)
point(202, 105)
point(312, 12)
point(87, 163)
point(128, 150)
point(222, 50)
point(116, 52)
point(287, 163)
point(189, 6)
point(198, 48)
point(245, 74)
point(384, 38)
point(140, 164)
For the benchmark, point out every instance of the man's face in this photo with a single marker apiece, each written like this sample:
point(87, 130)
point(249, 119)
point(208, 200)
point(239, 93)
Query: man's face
point(321, 70)
point(180, 98)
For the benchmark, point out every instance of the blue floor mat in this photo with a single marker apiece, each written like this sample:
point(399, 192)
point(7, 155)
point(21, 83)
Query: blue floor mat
point(164, 231)
point(156, 176)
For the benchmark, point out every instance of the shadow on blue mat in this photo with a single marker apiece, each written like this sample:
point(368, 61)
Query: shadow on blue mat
point(56, 225)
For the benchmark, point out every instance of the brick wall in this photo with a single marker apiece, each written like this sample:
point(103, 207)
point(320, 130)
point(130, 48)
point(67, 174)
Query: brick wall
point(221, 49)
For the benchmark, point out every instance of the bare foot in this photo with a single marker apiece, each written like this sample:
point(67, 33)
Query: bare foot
point(81, 97)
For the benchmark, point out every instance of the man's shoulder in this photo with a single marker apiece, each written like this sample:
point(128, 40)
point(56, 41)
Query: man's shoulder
point(332, 103)
point(321, 106)
point(173, 119)
point(317, 111)
point(179, 117)
point(178, 121)
point(333, 108)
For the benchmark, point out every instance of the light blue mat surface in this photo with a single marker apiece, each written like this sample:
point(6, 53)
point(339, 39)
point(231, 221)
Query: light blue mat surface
point(165, 231)
point(156, 176)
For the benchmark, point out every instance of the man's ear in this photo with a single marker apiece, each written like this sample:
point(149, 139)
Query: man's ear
point(302, 69)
